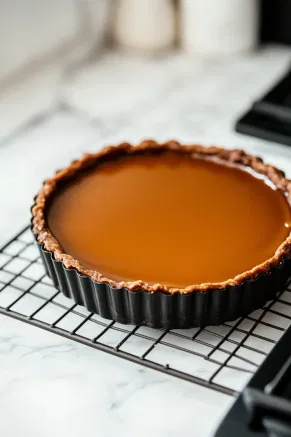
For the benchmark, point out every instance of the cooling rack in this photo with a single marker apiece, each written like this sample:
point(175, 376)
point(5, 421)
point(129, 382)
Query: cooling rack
point(219, 357)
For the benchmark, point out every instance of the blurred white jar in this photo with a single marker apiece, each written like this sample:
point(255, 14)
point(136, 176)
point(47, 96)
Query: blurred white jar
point(219, 27)
point(145, 25)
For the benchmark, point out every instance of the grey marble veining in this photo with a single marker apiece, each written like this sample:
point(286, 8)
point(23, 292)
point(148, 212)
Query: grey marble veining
point(49, 385)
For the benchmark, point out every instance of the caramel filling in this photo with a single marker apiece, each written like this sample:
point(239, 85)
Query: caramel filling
point(169, 218)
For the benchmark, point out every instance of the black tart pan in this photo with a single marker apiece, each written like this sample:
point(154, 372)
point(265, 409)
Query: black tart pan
point(163, 310)
point(160, 306)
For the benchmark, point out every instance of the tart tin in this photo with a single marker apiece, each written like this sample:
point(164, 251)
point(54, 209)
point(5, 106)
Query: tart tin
point(158, 306)
point(163, 310)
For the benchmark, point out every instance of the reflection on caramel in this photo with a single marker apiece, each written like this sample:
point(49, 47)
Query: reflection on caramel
point(170, 219)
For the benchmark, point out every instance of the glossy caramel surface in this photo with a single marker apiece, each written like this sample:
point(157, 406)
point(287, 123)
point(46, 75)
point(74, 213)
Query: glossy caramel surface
point(170, 219)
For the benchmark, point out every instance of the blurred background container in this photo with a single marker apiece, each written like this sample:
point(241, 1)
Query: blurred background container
point(44, 42)
point(34, 32)
point(218, 28)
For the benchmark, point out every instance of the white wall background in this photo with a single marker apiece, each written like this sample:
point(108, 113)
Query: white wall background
point(33, 32)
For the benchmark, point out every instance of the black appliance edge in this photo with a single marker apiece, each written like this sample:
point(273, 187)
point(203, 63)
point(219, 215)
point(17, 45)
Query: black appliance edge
point(244, 421)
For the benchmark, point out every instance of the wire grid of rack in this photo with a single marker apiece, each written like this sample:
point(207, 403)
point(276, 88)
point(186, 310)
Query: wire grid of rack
point(219, 357)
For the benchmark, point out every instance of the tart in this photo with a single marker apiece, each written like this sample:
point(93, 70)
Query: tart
point(166, 235)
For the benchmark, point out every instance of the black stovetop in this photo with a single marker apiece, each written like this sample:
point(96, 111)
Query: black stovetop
point(264, 407)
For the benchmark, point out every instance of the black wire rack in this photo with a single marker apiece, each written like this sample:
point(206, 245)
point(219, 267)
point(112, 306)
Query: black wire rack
point(219, 357)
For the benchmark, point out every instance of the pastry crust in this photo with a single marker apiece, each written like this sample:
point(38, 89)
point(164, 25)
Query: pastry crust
point(229, 157)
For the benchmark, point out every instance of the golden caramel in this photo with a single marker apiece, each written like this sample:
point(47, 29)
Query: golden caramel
point(169, 218)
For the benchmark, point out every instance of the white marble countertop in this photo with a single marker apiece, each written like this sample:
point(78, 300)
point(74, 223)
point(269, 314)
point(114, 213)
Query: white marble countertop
point(52, 386)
